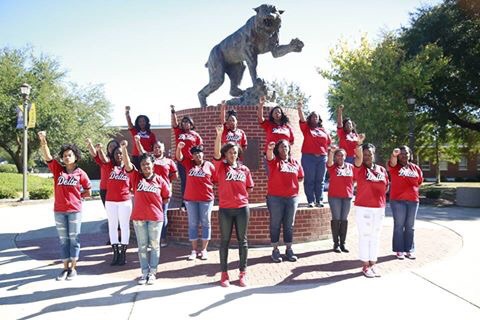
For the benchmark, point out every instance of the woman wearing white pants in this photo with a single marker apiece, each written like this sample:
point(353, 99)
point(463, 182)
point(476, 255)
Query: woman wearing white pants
point(372, 185)
point(118, 206)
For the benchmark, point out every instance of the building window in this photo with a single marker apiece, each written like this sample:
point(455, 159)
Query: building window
point(425, 165)
point(463, 164)
point(443, 165)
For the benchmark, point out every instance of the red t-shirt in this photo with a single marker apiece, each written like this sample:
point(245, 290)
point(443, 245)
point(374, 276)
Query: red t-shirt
point(164, 167)
point(67, 187)
point(348, 142)
point(316, 140)
point(104, 172)
point(283, 177)
point(371, 186)
point(199, 181)
point(276, 132)
point(147, 139)
point(190, 138)
point(149, 195)
point(238, 136)
point(341, 181)
point(232, 184)
point(118, 183)
point(406, 181)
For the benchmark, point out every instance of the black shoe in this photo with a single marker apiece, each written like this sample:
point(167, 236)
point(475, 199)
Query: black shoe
point(342, 247)
point(319, 205)
point(276, 257)
point(336, 248)
point(63, 275)
point(291, 256)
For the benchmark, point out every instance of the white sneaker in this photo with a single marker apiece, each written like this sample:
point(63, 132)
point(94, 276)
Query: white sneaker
point(143, 279)
point(192, 256)
point(368, 272)
point(411, 255)
point(204, 255)
point(375, 271)
point(151, 279)
point(400, 255)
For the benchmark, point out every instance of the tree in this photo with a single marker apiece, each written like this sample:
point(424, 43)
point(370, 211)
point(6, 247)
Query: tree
point(454, 28)
point(67, 112)
point(287, 94)
point(373, 81)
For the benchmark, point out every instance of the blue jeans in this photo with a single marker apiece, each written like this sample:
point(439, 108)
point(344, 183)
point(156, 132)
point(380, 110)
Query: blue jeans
point(404, 214)
point(199, 212)
point(340, 207)
point(314, 180)
point(282, 212)
point(165, 220)
point(68, 227)
point(148, 235)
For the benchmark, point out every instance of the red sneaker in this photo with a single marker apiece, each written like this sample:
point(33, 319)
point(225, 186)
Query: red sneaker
point(225, 280)
point(242, 279)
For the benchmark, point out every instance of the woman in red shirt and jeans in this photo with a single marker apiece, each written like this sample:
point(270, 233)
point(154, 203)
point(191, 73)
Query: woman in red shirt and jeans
point(282, 196)
point(71, 185)
point(406, 179)
point(347, 135)
point(234, 183)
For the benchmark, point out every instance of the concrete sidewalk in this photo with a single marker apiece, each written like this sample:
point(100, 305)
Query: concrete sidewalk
point(443, 282)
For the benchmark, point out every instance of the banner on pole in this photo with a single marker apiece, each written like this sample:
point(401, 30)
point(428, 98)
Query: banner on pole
point(32, 116)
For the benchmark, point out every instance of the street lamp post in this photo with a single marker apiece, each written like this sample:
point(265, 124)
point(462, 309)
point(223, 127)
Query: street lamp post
point(411, 114)
point(25, 90)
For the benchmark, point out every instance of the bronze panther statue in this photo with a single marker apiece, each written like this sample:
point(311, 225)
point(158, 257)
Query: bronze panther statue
point(259, 35)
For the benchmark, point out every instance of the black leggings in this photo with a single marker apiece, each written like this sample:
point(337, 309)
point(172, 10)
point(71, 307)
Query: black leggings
point(103, 195)
point(227, 218)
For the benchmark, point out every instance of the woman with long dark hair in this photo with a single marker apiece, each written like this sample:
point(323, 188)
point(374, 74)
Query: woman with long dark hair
point(234, 183)
point(142, 129)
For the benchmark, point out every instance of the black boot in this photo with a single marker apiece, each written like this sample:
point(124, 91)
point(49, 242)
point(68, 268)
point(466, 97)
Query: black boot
point(343, 235)
point(115, 255)
point(335, 225)
point(122, 255)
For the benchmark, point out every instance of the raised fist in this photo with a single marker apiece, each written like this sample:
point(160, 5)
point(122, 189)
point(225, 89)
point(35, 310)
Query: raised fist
point(181, 145)
point(296, 45)
point(124, 143)
point(396, 152)
point(271, 145)
point(219, 129)
point(127, 108)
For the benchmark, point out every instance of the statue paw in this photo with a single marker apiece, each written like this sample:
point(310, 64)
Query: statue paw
point(236, 92)
point(296, 44)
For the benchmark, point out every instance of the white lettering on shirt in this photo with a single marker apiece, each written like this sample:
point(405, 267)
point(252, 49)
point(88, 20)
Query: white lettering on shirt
point(375, 176)
point(233, 136)
point(143, 134)
point(186, 136)
point(235, 176)
point(406, 172)
point(288, 167)
point(118, 176)
point(194, 172)
point(281, 130)
point(71, 181)
point(344, 172)
point(142, 186)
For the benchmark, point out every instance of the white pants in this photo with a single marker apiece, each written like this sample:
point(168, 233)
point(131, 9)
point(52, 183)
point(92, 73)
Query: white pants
point(369, 223)
point(119, 213)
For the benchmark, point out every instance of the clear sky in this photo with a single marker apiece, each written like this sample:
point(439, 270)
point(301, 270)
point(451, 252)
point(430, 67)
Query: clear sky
point(151, 53)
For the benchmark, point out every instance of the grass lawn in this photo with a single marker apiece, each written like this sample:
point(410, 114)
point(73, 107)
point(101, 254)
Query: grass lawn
point(14, 181)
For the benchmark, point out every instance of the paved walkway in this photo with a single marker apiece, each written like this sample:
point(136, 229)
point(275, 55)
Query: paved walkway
point(443, 282)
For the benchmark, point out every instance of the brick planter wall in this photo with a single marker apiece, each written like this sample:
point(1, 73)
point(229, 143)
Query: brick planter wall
point(311, 224)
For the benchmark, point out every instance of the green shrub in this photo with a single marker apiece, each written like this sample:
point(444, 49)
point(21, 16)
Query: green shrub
point(41, 193)
point(433, 193)
point(7, 193)
point(9, 168)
